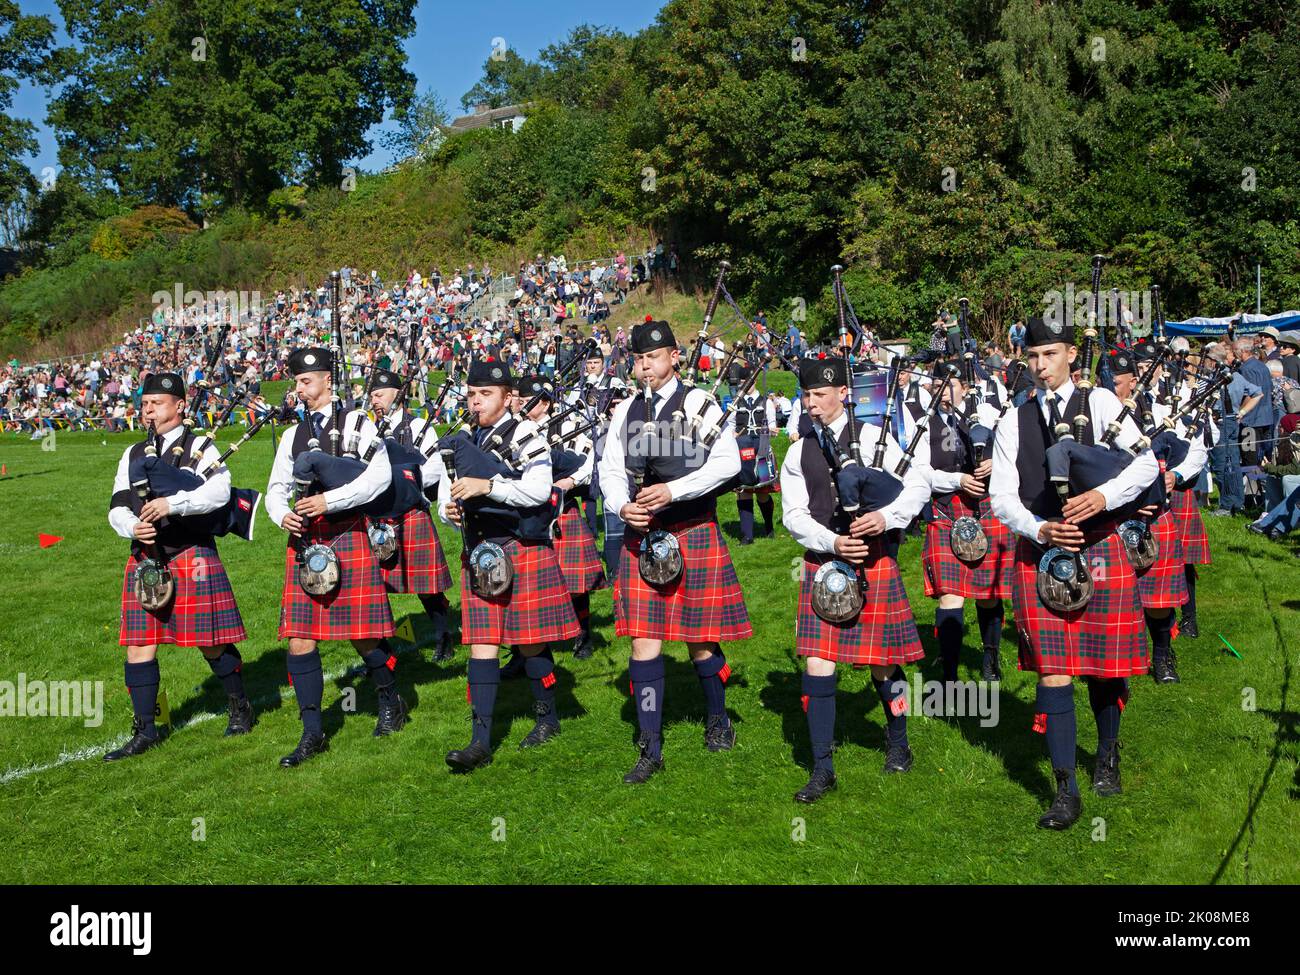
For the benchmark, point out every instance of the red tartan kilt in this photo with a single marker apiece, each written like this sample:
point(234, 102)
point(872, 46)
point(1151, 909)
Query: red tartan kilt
point(201, 614)
point(576, 550)
point(884, 631)
point(358, 609)
point(704, 605)
point(418, 565)
point(1164, 585)
point(535, 609)
point(1107, 638)
point(947, 575)
point(1191, 529)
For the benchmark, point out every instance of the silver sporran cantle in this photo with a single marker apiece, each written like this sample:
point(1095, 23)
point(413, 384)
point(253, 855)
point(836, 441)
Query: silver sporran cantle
point(836, 592)
point(383, 540)
point(318, 570)
point(1140, 544)
point(153, 584)
point(968, 540)
point(660, 562)
point(1064, 583)
point(491, 572)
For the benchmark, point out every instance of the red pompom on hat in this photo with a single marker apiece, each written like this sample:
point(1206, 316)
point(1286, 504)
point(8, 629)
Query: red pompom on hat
point(649, 318)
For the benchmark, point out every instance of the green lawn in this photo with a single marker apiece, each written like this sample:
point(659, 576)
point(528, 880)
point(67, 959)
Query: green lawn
point(1209, 786)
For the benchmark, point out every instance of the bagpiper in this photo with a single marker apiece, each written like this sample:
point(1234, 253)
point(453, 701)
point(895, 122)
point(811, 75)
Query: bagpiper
point(968, 553)
point(1104, 640)
point(498, 492)
point(174, 587)
point(417, 563)
point(333, 587)
point(853, 607)
point(676, 580)
point(755, 423)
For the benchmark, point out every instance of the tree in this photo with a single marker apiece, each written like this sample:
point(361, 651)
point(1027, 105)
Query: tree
point(25, 44)
point(419, 130)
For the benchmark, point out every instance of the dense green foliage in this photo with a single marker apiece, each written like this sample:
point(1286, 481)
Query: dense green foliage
point(984, 148)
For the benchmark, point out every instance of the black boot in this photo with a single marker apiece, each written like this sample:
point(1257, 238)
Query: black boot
point(1065, 808)
point(1164, 671)
point(1187, 626)
point(444, 648)
point(645, 765)
point(546, 728)
point(467, 759)
point(241, 717)
point(392, 714)
point(311, 743)
point(1105, 777)
point(583, 648)
point(719, 734)
point(821, 782)
point(898, 758)
point(138, 742)
point(992, 667)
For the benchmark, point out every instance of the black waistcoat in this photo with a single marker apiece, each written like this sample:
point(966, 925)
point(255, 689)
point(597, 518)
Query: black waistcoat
point(179, 533)
point(1037, 493)
point(668, 460)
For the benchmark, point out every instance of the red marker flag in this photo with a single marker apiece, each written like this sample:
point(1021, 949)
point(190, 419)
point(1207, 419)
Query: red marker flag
point(47, 540)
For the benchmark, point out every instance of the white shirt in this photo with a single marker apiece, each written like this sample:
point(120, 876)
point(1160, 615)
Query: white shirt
point(792, 424)
point(532, 487)
point(372, 482)
point(815, 536)
point(431, 471)
point(721, 465)
point(209, 496)
point(1103, 407)
point(945, 482)
point(581, 444)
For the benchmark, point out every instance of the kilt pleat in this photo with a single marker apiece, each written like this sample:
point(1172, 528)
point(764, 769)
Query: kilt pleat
point(576, 550)
point(1107, 638)
point(535, 609)
point(203, 612)
point(704, 605)
point(884, 632)
point(1191, 528)
point(358, 609)
point(419, 564)
point(1164, 585)
point(947, 575)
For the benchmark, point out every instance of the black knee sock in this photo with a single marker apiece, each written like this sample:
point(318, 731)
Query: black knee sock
point(713, 673)
point(435, 607)
point(990, 623)
point(1056, 720)
point(746, 508)
point(540, 669)
point(648, 699)
point(228, 668)
point(582, 609)
point(1107, 696)
point(142, 682)
point(819, 703)
point(1161, 629)
point(380, 665)
point(308, 686)
point(893, 695)
point(768, 509)
point(484, 679)
point(1189, 607)
point(949, 627)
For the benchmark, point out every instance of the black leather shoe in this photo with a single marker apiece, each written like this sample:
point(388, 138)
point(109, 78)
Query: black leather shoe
point(583, 648)
point(469, 758)
point(1105, 777)
point(898, 758)
point(514, 667)
point(241, 717)
point(138, 743)
point(444, 649)
point(821, 782)
point(992, 667)
point(392, 715)
point(745, 541)
point(1187, 626)
point(546, 728)
point(645, 766)
point(311, 743)
point(1164, 671)
point(1065, 808)
point(719, 734)
point(1257, 528)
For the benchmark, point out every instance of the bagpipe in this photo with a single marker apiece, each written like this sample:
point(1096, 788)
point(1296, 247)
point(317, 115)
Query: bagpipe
point(491, 571)
point(205, 384)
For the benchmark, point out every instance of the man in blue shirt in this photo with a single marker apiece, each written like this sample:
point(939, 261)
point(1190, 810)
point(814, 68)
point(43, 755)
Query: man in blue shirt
point(1225, 457)
point(1016, 335)
point(1262, 416)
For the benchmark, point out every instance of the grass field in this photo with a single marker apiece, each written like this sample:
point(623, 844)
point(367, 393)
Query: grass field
point(1209, 783)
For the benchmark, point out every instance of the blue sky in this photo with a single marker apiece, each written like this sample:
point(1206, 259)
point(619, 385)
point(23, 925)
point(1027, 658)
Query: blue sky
point(446, 52)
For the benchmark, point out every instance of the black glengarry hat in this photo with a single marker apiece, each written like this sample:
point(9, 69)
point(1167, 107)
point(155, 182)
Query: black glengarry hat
point(383, 379)
point(1040, 331)
point(169, 383)
point(489, 372)
point(310, 360)
point(652, 335)
point(820, 373)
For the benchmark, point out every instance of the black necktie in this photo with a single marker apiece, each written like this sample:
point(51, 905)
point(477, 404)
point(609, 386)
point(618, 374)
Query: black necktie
point(318, 425)
point(1053, 412)
point(480, 433)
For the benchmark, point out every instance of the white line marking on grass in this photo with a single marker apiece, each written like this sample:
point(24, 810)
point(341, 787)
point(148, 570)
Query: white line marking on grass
point(96, 751)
